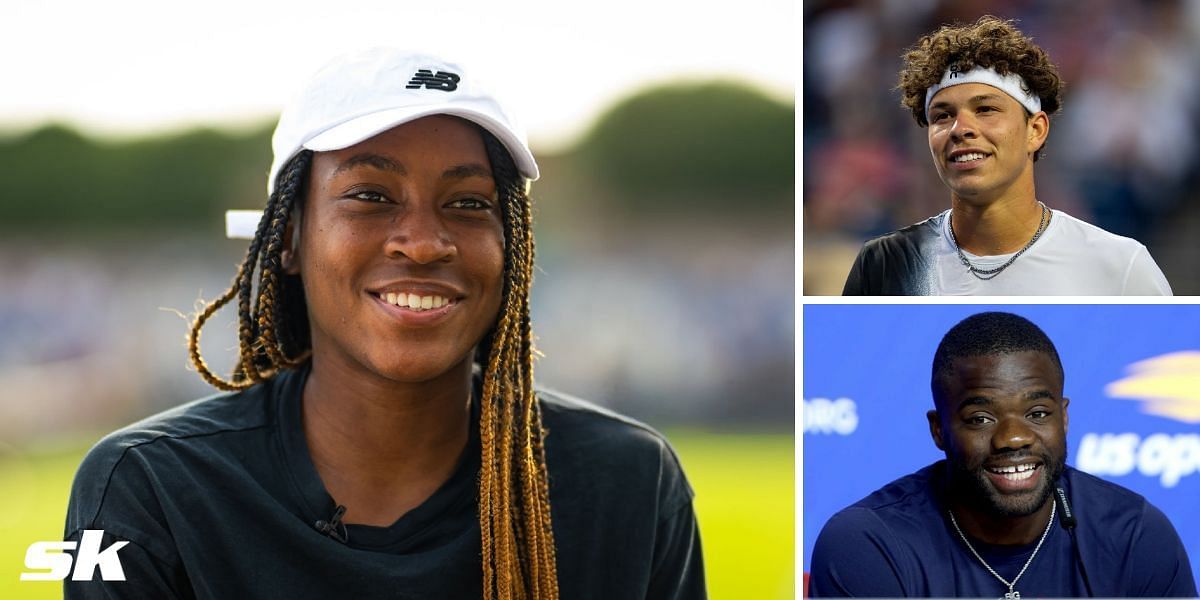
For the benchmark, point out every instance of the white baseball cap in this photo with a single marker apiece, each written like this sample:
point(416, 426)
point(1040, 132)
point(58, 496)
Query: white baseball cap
point(362, 94)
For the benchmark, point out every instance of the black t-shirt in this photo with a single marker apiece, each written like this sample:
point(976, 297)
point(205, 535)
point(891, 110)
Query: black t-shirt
point(219, 499)
point(896, 264)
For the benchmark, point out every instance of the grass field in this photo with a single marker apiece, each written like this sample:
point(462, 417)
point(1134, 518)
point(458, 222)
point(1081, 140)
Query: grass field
point(744, 502)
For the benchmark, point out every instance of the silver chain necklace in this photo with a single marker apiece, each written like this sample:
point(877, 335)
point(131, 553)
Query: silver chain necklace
point(1012, 594)
point(986, 274)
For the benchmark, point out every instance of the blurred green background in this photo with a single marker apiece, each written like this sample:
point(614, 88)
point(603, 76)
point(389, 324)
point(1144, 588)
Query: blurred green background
point(664, 290)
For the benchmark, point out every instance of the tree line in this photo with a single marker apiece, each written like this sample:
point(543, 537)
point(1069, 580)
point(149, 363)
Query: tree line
point(709, 147)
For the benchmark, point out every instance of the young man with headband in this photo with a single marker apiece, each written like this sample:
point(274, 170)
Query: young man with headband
point(985, 92)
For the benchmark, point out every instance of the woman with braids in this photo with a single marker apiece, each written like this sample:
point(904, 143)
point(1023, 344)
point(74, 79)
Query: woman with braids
point(986, 92)
point(381, 436)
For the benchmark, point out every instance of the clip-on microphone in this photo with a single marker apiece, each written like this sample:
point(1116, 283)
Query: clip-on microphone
point(1068, 522)
point(334, 527)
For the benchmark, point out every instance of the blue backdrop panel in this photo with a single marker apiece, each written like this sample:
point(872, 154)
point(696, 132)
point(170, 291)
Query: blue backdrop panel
point(1132, 374)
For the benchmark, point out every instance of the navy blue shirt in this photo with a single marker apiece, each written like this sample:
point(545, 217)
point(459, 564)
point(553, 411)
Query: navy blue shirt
point(898, 541)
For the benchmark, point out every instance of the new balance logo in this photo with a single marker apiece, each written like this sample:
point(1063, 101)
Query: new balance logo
point(441, 80)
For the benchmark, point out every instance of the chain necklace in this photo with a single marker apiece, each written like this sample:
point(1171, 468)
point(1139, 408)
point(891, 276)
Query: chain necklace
point(1012, 594)
point(986, 274)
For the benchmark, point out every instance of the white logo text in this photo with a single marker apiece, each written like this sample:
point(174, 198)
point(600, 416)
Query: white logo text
point(51, 564)
point(822, 415)
point(1168, 457)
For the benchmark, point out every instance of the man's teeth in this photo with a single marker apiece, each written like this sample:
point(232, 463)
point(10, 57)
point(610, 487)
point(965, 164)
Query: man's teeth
point(415, 302)
point(966, 157)
point(1015, 473)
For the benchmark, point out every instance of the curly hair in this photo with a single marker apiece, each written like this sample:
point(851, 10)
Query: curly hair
point(989, 42)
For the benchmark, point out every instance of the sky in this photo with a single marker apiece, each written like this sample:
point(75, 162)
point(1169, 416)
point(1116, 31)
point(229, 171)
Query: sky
point(130, 67)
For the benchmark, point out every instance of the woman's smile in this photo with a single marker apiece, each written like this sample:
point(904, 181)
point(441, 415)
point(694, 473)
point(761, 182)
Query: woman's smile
point(416, 311)
point(402, 251)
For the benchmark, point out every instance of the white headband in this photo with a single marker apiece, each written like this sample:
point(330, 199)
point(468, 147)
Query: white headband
point(1010, 84)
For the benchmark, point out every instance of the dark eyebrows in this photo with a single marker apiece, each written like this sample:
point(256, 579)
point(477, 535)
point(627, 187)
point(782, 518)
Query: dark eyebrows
point(985, 401)
point(467, 171)
point(976, 99)
point(975, 401)
point(384, 163)
point(368, 159)
point(1039, 395)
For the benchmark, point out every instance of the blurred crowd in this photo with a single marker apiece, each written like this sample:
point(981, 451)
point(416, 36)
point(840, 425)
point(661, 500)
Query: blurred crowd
point(1124, 153)
point(685, 327)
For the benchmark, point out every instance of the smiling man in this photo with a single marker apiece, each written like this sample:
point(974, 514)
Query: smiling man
point(986, 92)
point(1002, 515)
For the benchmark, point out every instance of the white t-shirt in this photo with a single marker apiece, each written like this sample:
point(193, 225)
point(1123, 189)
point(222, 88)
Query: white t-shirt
point(1070, 258)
